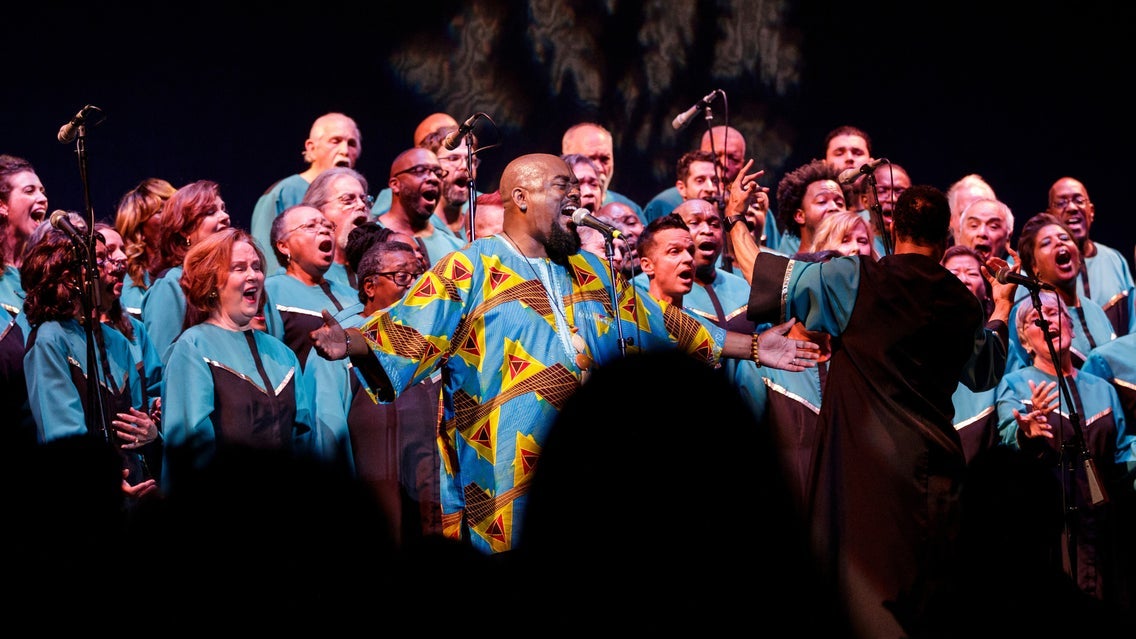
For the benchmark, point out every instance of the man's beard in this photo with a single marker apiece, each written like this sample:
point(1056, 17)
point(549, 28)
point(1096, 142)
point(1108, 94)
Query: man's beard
point(561, 244)
point(457, 195)
point(419, 215)
point(417, 211)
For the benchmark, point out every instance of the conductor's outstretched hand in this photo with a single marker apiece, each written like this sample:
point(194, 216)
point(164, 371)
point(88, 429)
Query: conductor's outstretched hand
point(778, 350)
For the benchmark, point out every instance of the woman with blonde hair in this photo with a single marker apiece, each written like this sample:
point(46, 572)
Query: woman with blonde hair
point(136, 220)
point(846, 233)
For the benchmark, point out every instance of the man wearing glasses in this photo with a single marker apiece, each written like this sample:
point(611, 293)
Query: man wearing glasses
point(451, 213)
point(1105, 278)
point(416, 181)
point(514, 322)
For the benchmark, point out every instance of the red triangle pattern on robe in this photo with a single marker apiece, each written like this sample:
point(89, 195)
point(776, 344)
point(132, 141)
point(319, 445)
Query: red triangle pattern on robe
point(496, 530)
point(528, 460)
point(470, 346)
point(497, 276)
point(631, 309)
point(583, 277)
point(425, 288)
point(481, 436)
point(460, 272)
point(517, 365)
point(705, 350)
point(429, 352)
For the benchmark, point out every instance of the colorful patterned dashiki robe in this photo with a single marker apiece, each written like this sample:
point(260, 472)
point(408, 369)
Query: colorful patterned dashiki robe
point(513, 337)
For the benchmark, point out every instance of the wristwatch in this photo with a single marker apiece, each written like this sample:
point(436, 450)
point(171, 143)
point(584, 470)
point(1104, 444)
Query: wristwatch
point(734, 219)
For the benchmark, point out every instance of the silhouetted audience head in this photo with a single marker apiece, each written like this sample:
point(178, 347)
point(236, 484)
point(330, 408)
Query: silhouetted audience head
point(66, 515)
point(642, 520)
point(259, 528)
point(1007, 581)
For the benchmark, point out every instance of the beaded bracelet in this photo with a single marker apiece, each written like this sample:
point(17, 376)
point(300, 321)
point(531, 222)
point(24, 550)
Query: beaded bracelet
point(753, 345)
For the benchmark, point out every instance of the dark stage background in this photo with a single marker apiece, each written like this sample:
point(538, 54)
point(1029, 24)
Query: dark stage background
point(228, 91)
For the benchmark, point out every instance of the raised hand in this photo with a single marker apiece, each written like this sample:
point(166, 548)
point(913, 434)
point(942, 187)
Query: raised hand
point(1001, 294)
point(1035, 423)
point(743, 189)
point(1043, 396)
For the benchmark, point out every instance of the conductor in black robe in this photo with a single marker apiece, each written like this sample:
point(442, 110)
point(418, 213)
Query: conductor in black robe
point(884, 479)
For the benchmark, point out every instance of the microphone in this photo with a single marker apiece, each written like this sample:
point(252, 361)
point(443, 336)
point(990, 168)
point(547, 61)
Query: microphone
point(454, 138)
point(1009, 276)
point(581, 217)
point(61, 221)
point(68, 131)
point(683, 118)
point(849, 176)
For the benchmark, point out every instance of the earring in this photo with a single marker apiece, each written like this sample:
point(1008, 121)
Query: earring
point(187, 243)
point(524, 207)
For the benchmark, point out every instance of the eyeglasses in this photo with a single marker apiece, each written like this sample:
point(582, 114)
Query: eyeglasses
point(104, 262)
point(1062, 202)
point(313, 227)
point(420, 170)
point(351, 199)
point(458, 160)
point(402, 278)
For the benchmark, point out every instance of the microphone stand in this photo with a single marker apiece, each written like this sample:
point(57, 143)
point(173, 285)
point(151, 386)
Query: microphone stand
point(877, 214)
point(727, 244)
point(1068, 461)
point(470, 152)
point(96, 413)
point(472, 190)
point(609, 251)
